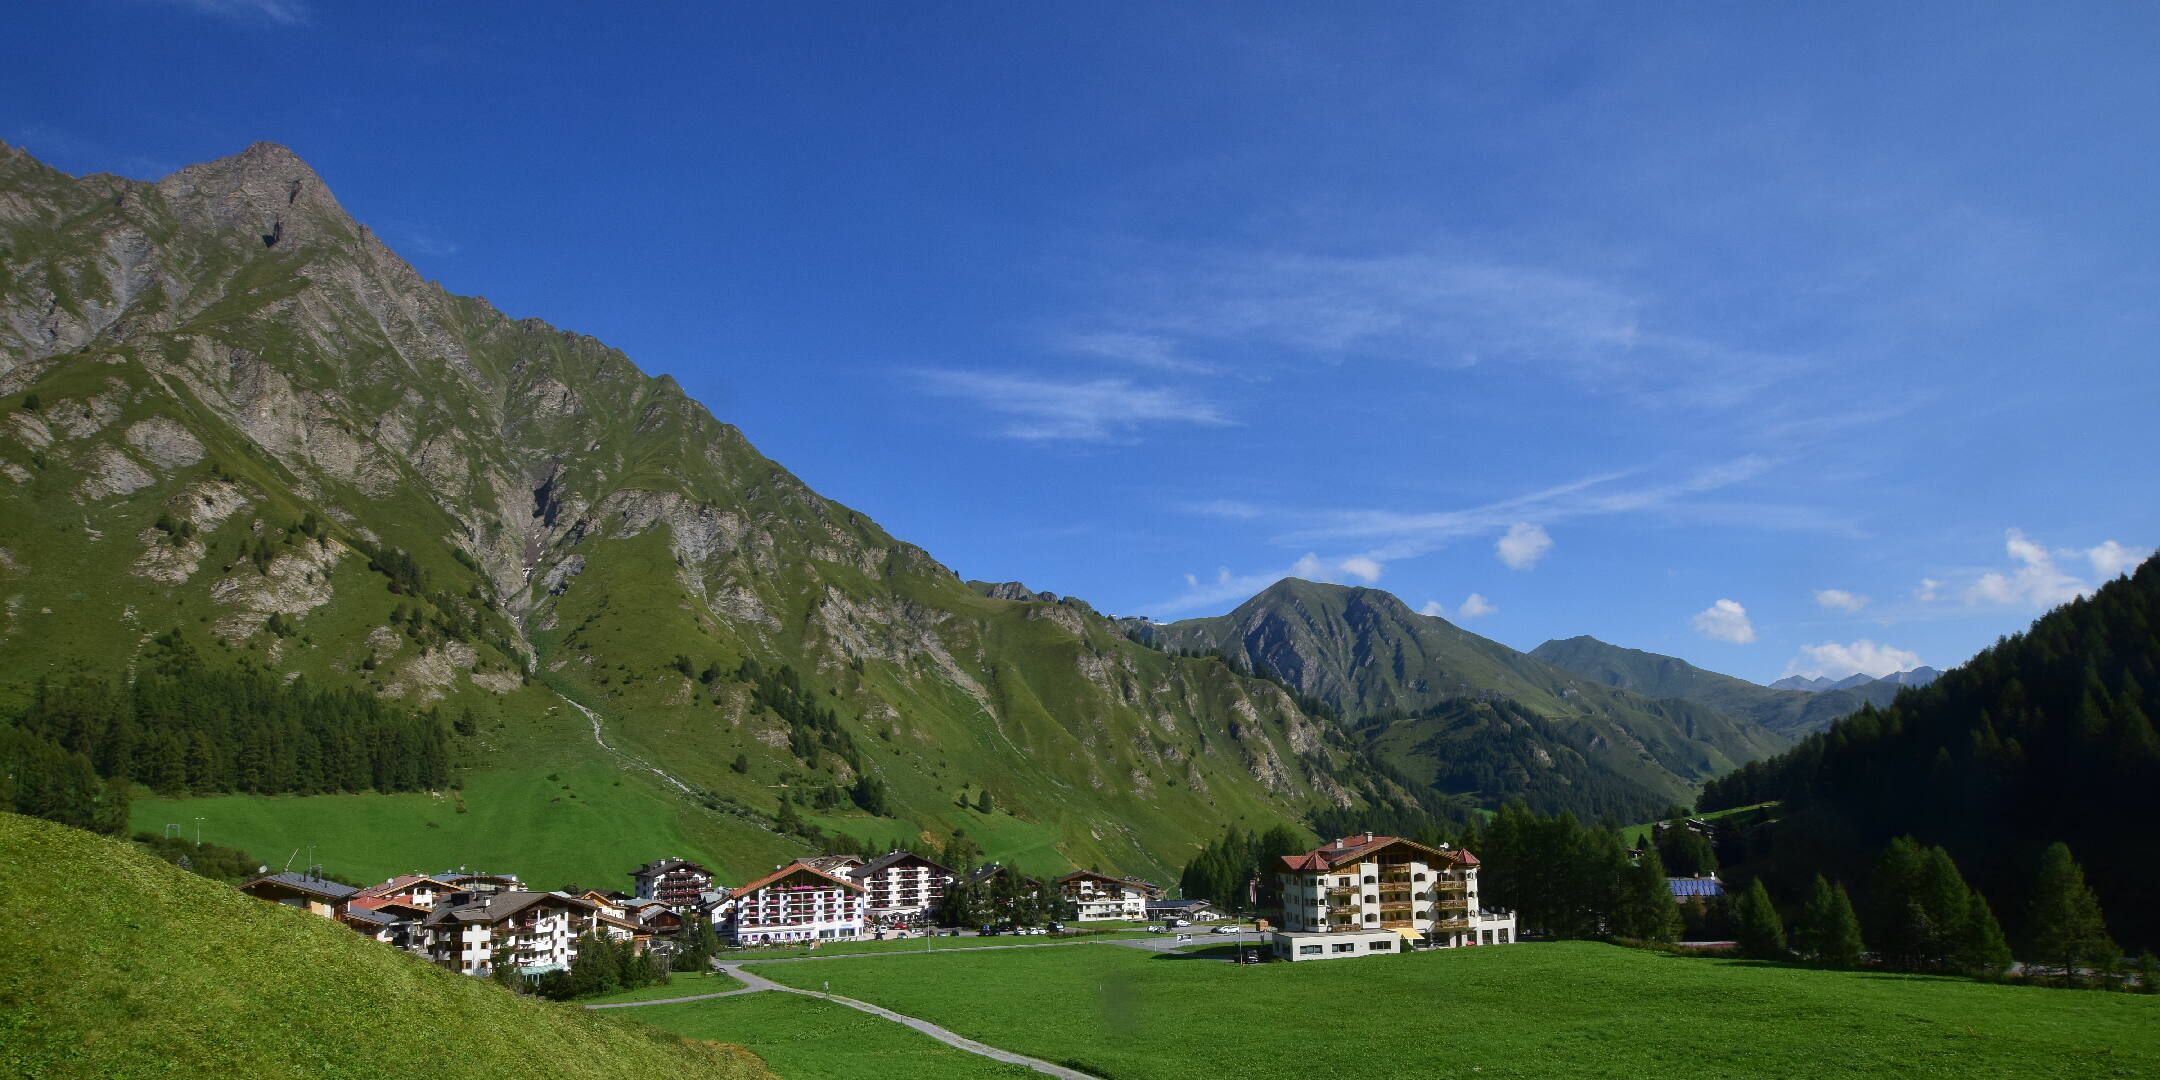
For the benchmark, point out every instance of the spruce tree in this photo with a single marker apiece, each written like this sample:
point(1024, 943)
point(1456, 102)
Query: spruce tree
point(1646, 910)
point(2068, 932)
point(1761, 931)
point(1832, 930)
point(1981, 949)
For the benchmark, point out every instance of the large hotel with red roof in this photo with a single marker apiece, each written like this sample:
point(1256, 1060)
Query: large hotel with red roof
point(1367, 895)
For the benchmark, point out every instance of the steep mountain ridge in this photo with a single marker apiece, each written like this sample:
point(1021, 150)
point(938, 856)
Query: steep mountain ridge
point(515, 512)
point(1368, 655)
point(1791, 713)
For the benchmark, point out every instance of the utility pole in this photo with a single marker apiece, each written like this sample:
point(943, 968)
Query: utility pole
point(198, 830)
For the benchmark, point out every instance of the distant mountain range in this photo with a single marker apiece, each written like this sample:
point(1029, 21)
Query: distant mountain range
point(1786, 711)
point(1816, 684)
point(1415, 683)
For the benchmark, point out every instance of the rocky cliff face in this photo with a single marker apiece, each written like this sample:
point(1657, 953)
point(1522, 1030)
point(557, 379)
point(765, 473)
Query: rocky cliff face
point(456, 506)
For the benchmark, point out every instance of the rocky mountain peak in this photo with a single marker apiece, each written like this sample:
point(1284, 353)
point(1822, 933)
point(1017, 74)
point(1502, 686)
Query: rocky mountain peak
point(265, 190)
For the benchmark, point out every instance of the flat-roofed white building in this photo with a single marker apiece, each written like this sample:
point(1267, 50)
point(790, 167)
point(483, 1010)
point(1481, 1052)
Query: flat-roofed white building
point(1343, 945)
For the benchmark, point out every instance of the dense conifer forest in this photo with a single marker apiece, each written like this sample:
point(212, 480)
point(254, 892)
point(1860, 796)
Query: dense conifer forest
point(2046, 737)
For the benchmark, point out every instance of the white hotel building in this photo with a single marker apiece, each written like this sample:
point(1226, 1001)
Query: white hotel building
point(1368, 894)
point(794, 905)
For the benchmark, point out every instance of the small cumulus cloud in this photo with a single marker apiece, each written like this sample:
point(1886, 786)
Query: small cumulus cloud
point(1475, 607)
point(1433, 608)
point(2036, 581)
point(1523, 545)
point(1725, 620)
point(1362, 568)
point(1836, 661)
point(2112, 560)
point(1930, 590)
point(1840, 600)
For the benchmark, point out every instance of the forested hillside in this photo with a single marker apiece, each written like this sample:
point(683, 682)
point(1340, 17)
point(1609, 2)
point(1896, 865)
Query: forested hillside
point(1791, 713)
point(2047, 736)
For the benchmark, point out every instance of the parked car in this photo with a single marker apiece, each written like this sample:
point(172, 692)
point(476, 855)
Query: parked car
point(1181, 922)
point(1229, 929)
point(1057, 928)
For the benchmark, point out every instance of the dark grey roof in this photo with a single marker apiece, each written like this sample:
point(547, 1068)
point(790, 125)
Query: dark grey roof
point(379, 918)
point(662, 866)
point(892, 858)
point(306, 883)
point(1179, 905)
point(499, 906)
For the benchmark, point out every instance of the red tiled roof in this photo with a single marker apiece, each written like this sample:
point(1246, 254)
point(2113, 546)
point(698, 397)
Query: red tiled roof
point(793, 868)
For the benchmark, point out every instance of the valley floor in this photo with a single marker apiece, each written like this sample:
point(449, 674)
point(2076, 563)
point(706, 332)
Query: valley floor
point(1576, 1009)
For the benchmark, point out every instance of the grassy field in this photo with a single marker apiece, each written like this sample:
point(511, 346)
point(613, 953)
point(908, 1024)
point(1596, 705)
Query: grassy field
point(684, 984)
point(1634, 834)
point(550, 807)
point(1573, 1009)
point(938, 944)
point(805, 1039)
point(115, 964)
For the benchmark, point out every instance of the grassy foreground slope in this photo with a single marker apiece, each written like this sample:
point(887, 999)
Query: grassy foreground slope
point(114, 964)
point(1567, 1009)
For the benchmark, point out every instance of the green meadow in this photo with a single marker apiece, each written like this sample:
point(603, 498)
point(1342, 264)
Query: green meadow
point(1565, 1009)
point(806, 1039)
point(682, 984)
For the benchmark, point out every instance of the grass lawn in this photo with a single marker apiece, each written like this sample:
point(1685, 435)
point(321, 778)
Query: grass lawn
point(806, 1039)
point(587, 821)
point(937, 944)
point(684, 984)
point(1577, 1009)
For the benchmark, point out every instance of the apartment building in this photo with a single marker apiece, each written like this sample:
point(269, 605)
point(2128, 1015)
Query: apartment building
point(674, 882)
point(901, 889)
point(1097, 897)
point(464, 932)
point(1369, 886)
point(796, 904)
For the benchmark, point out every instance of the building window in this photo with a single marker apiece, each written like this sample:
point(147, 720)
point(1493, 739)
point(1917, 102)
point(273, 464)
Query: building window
point(1308, 950)
point(1370, 917)
point(1346, 946)
point(1383, 946)
point(1503, 935)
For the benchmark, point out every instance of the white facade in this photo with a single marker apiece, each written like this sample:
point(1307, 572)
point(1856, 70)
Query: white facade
point(793, 906)
point(1345, 945)
point(901, 889)
point(1098, 898)
point(540, 930)
point(1364, 884)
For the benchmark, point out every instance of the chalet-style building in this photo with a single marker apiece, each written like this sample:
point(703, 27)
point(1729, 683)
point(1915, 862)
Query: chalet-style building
point(674, 882)
point(476, 882)
point(836, 865)
point(1342, 899)
point(310, 891)
point(796, 904)
point(1189, 910)
point(541, 930)
point(1096, 897)
point(901, 889)
point(421, 890)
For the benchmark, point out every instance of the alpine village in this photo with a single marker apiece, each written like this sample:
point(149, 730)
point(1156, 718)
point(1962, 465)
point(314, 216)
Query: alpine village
point(395, 686)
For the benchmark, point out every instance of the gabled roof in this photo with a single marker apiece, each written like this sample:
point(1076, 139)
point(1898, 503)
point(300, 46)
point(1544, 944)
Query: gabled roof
point(894, 858)
point(313, 886)
point(1090, 875)
point(372, 916)
point(404, 883)
point(658, 867)
point(390, 904)
point(499, 906)
point(1351, 849)
point(985, 873)
point(1180, 905)
point(797, 867)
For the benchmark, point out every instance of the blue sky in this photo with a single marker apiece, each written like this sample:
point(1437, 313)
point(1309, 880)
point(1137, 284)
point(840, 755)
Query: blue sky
point(1781, 338)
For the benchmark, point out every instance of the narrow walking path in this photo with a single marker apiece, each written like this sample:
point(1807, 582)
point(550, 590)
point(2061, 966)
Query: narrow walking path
point(758, 984)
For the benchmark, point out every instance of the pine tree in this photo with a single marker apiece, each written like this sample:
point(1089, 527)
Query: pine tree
point(2068, 932)
point(1981, 949)
point(1761, 931)
point(1828, 931)
point(1646, 910)
point(983, 803)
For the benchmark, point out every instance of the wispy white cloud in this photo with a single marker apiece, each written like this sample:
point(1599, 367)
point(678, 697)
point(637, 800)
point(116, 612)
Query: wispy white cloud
point(1929, 590)
point(1476, 606)
point(281, 12)
point(1840, 600)
point(1085, 410)
point(1146, 350)
point(1522, 545)
point(1432, 307)
point(1361, 567)
point(1725, 620)
point(1434, 609)
point(1836, 661)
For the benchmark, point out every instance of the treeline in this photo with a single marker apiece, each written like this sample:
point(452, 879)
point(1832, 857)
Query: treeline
point(1571, 880)
point(182, 726)
point(1002, 899)
point(1221, 872)
point(2045, 736)
point(1501, 751)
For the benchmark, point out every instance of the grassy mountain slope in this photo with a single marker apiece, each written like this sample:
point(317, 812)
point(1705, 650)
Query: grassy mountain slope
point(228, 349)
point(1365, 653)
point(1791, 713)
point(115, 964)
